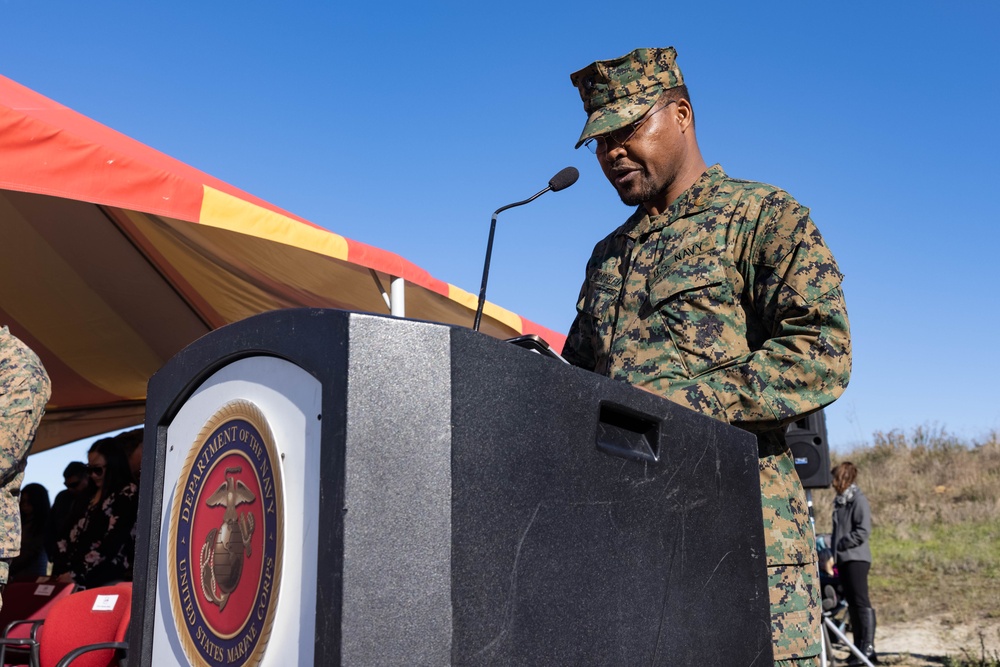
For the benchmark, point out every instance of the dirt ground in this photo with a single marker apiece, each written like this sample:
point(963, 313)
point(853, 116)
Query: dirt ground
point(926, 643)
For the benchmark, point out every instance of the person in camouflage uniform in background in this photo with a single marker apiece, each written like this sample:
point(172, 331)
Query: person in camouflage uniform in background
point(718, 294)
point(24, 391)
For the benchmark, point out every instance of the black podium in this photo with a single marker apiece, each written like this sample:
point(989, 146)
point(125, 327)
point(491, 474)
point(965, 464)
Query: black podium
point(337, 488)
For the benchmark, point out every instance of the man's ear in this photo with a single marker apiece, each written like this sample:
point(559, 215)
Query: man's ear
point(684, 114)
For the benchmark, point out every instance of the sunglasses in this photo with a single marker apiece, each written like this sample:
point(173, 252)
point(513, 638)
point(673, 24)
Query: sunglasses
point(96, 471)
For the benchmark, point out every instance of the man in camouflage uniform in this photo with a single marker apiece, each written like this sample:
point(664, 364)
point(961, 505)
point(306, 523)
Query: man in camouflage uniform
point(717, 294)
point(24, 391)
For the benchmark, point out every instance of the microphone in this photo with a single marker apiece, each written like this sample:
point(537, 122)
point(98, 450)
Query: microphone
point(560, 181)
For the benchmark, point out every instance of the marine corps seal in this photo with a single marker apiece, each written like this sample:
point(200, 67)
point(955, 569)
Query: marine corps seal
point(225, 541)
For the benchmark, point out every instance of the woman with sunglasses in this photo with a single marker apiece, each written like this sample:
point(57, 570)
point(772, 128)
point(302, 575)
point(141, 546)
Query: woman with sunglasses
point(101, 545)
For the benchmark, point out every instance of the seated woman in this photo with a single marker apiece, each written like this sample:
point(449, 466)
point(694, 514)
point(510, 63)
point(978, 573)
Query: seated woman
point(32, 561)
point(101, 545)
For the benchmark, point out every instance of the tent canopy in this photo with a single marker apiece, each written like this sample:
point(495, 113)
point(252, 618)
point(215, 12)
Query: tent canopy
point(116, 256)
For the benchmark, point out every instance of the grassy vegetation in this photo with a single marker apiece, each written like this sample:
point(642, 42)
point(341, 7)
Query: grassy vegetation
point(936, 524)
point(981, 658)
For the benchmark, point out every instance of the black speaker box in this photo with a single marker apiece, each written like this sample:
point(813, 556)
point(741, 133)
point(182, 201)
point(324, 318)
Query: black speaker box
point(807, 439)
point(481, 504)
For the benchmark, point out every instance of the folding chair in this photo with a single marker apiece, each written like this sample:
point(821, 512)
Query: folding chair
point(85, 629)
point(25, 605)
point(88, 628)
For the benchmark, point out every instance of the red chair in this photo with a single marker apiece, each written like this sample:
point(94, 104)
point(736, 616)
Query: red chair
point(25, 605)
point(85, 629)
point(31, 600)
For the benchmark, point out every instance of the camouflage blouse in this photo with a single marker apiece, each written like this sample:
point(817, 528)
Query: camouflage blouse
point(730, 304)
point(24, 390)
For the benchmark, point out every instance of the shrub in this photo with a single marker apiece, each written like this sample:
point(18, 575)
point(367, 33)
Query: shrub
point(936, 522)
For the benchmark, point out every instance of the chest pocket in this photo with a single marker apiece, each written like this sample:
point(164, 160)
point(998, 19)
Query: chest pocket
point(695, 302)
point(598, 302)
point(602, 290)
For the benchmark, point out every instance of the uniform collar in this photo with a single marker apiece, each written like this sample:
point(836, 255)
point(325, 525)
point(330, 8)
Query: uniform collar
point(695, 199)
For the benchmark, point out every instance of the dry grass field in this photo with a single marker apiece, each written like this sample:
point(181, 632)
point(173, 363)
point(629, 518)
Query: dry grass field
point(935, 537)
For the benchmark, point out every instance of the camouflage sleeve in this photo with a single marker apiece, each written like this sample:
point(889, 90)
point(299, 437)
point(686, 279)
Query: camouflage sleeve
point(581, 344)
point(19, 415)
point(24, 391)
point(579, 347)
point(796, 301)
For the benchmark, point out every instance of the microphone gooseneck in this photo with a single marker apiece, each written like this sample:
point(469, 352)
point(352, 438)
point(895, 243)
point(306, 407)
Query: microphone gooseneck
point(560, 181)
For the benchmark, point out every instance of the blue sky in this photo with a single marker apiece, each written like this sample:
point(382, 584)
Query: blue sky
point(404, 125)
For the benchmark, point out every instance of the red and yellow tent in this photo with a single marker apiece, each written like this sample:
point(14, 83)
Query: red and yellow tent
point(116, 256)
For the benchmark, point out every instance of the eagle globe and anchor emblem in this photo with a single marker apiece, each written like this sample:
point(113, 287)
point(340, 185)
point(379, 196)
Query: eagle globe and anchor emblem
point(225, 540)
point(223, 552)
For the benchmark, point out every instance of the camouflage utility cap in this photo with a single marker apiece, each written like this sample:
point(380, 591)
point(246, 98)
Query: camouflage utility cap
point(620, 91)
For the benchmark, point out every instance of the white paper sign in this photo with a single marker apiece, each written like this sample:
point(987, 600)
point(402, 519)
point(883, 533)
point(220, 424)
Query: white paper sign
point(104, 602)
point(44, 589)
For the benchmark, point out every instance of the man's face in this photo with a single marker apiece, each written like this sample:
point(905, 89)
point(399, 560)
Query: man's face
point(644, 168)
point(75, 483)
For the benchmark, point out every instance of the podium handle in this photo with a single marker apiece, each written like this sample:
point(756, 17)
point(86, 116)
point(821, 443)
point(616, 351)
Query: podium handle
point(628, 434)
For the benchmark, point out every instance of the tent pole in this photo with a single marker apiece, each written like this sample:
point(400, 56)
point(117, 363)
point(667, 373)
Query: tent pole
point(397, 300)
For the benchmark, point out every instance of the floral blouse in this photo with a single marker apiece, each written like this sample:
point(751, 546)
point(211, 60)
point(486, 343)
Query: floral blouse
point(101, 545)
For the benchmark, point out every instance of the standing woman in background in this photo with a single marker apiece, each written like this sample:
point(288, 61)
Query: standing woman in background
point(852, 527)
point(101, 546)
